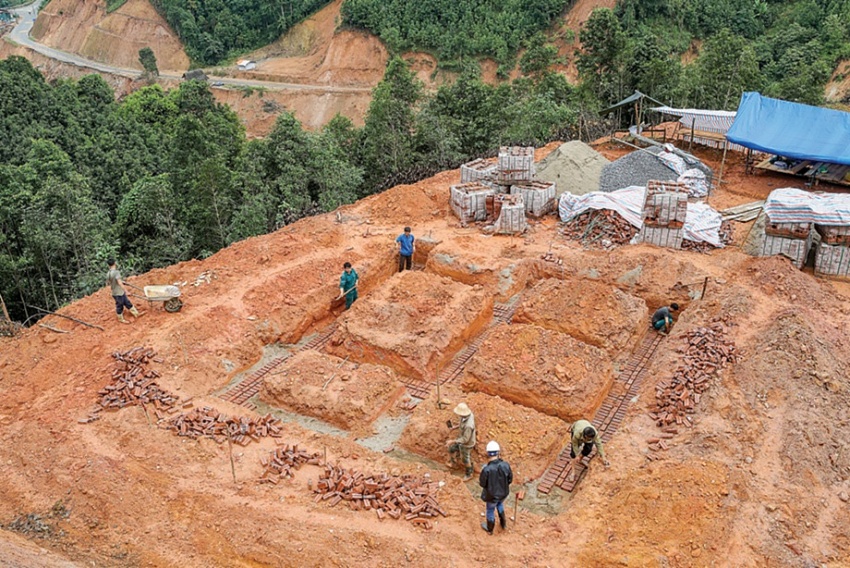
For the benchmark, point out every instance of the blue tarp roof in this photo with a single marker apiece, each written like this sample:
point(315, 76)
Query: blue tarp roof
point(792, 130)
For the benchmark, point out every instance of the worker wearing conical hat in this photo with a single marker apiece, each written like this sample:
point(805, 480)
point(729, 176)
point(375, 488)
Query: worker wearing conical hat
point(465, 440)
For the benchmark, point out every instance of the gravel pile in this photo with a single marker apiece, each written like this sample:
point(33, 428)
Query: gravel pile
point(573, 166)
point(637, 168)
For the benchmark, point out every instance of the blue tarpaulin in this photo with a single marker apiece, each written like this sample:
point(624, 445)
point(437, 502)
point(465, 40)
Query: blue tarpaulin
point(792, 130)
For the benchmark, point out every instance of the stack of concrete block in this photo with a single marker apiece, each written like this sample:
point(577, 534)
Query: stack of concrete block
point(665, 209)
point(469, 201)
point(793, 240)
point(832, 260)
point(833, 253)
point(538, 196)
point(479, 170)
point(516, 165)
point(511, 214)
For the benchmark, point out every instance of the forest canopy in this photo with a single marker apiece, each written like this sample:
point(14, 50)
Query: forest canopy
point(166, 176)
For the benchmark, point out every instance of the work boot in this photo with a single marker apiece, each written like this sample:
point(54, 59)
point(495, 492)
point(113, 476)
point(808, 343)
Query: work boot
point(135, 312)
point(502, 522)
point(468, 475)
point(121, 319)
point(488, 526)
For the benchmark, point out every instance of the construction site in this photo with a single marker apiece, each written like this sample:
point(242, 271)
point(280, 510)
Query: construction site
point(262, 424)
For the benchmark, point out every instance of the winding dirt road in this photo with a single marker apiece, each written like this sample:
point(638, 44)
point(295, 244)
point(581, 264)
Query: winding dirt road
point(28, 14)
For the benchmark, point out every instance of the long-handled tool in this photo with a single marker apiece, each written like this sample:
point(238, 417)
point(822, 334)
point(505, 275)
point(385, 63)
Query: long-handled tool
point(336, 301)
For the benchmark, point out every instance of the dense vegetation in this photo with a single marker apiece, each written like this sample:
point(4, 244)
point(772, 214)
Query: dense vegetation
point(783, 49)
point(212, 30)
point(162, 177)
point(454, 29)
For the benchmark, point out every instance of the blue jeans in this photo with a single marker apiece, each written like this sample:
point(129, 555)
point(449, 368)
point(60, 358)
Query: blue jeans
point(660, 323)
point(495, 506)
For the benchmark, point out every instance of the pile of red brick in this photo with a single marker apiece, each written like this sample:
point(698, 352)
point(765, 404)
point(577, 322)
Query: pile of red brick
point(134, 384)
point(209, 422)
point(726, 232)
point(602, 228)
point(282, 461)
point(408, 497)
point(707, 351)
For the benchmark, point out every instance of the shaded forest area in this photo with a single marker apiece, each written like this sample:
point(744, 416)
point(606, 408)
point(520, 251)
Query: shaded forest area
point(162, 177)
point(783, 49)
point(213, 30)
point(454, 29)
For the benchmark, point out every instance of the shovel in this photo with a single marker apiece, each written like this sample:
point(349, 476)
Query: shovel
point(339, 300)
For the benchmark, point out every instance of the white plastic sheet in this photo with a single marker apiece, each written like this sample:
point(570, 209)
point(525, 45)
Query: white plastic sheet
point(701, 225)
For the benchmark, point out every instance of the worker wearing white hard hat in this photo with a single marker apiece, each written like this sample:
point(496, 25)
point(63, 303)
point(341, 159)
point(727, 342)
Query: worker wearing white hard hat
point(495, 481)
point(465, 441)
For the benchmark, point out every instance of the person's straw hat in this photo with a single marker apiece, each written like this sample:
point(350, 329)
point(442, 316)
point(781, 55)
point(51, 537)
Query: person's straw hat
point(462, 410)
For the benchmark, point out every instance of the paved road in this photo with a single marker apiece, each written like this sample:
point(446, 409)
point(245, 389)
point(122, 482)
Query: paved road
point(21, 35)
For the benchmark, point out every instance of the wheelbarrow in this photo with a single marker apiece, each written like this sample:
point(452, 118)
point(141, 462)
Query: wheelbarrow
point(168, 295)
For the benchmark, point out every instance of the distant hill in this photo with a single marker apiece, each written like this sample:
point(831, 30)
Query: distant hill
point(214, 31)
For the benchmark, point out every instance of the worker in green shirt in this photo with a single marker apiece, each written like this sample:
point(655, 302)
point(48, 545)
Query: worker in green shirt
point(348, 284)
point(583, 436)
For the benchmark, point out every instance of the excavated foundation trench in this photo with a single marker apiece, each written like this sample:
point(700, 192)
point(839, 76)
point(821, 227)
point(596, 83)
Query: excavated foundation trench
point(582, 342)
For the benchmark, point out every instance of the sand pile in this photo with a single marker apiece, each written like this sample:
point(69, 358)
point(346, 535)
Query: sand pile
point(573, 167)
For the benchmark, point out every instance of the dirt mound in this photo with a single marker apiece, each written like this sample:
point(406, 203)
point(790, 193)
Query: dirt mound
point(315, 52)
point(595, 314)
point(530, 440)
point(83, 27)
point(574, 167)
point(346, 394)
point(545, 370)
point(413, 324)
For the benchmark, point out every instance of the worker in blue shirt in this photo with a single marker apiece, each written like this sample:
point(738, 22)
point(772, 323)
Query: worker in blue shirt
point(406, 248)
point(348, 284)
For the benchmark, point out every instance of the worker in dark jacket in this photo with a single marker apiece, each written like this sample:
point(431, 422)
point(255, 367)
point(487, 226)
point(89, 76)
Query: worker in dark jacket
point(495, 481)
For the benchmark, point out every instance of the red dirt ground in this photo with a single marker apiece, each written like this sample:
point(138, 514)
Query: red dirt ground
point(606, 318)
point(354, 397)
point(548, 371)
point(762, 478)
point(414, 324)
point(530, 440)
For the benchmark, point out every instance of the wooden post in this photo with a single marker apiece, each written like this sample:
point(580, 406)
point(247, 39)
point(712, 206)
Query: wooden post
point(691, 143)
point(704, 286)
point(722, 163)
point(230, 451)
point(5, 311)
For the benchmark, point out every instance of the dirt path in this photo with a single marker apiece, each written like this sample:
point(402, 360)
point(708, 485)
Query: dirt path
point(28, 14)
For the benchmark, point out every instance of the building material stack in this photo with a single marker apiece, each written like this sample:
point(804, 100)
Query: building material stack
point(793, 240)
point(479, 170)
point(516, 165)
point(510, 219)
point(539, 197)
point(664, 212)
point(833, 253)
point(469, 201)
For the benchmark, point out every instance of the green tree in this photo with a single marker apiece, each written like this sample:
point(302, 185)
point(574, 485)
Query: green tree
point(391, 124)
point(601, 61)
point(148, 61)
point(147, 225)
point(726, 68)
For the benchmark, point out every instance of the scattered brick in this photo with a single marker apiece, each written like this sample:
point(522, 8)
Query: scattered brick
point(284, 460)
point(707, 351)
point(391, 495)
point(133, 384)
point(210, 423)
